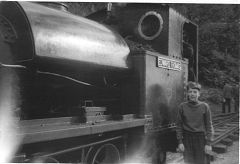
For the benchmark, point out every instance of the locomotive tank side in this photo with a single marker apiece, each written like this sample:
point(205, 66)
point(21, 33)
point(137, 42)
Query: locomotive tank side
point(62, 35)
point(67, 44)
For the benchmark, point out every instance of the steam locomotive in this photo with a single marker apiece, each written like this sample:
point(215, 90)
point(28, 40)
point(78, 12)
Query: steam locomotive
point(99, 88)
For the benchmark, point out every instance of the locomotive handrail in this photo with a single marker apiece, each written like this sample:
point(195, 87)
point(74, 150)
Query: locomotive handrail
point(66, 77)
point(11, 66)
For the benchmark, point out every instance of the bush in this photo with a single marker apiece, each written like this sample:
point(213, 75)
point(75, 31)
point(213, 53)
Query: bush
point(214, 96)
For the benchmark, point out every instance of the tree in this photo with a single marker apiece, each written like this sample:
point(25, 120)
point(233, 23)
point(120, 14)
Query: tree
point(219, 40)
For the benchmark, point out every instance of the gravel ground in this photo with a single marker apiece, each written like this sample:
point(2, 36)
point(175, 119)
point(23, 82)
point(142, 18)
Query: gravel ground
point(230, 157)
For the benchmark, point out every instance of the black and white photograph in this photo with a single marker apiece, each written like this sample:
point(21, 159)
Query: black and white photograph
point(119, 82)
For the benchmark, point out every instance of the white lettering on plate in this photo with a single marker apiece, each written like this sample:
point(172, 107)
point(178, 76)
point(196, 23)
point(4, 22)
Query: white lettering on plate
point(169, 64)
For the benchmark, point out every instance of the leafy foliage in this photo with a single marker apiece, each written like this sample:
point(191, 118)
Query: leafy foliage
point(211, 95)
point(219, 39)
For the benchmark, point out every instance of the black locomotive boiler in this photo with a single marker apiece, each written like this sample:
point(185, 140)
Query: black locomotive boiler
point(96, 89)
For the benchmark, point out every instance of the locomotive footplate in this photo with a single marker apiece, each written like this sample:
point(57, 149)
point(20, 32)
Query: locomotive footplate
point(59, 128)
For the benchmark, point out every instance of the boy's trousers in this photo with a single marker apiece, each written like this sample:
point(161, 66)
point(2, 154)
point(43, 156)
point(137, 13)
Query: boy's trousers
point(194, 144)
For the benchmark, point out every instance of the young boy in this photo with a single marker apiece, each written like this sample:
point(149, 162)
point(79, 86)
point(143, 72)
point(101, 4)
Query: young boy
point(194, 127)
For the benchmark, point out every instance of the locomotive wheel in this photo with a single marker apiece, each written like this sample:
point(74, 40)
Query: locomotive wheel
point(107, 153)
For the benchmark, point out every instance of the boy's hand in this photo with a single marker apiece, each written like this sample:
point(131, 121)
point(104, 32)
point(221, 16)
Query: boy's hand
point(208, 149)
point(181, 148)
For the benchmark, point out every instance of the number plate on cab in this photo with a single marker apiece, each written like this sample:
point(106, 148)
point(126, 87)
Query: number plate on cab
point(169, 64)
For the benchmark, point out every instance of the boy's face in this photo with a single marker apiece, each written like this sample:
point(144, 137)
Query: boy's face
point(193, 94)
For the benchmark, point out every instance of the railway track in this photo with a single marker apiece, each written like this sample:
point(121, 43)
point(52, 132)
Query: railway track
point(226, 127)
point(217, 119)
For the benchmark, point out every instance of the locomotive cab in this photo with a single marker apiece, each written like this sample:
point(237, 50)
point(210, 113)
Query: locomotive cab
point(189, 49)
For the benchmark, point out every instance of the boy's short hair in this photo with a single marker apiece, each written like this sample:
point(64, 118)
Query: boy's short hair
point(193, 85)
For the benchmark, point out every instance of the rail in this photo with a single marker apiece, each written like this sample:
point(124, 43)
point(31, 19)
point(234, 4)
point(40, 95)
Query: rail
point(225, 126)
